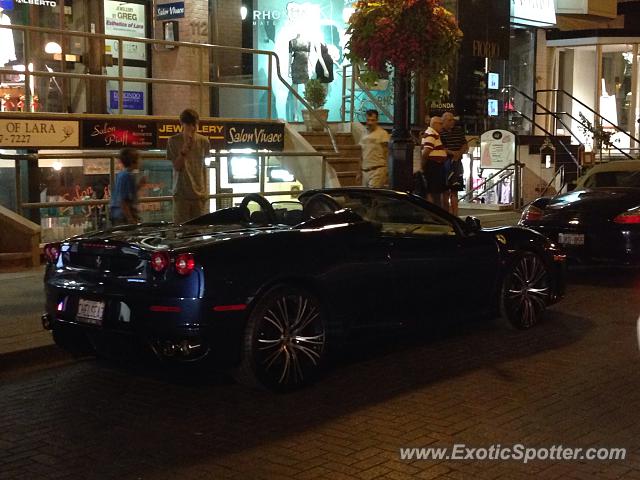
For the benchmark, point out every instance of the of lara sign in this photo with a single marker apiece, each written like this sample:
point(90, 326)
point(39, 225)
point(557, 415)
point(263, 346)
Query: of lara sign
point(39, 133)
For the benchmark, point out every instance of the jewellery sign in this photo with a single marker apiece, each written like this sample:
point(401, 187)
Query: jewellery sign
point(497, 149)
point(38, 133)
point(214, 131)
point(114, 134)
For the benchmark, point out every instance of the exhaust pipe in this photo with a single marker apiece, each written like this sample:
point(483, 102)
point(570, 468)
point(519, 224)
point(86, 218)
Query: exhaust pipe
point(46, 321)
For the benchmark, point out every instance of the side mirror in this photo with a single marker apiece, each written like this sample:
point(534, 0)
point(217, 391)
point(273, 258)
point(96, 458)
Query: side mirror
point(472, 224)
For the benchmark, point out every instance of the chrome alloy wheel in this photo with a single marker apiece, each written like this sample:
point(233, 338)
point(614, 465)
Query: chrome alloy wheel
point(526, 291)
point(290, 340)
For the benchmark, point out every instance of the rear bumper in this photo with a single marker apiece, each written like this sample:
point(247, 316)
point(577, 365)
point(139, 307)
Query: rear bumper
point(613, 245)
point(177, 329)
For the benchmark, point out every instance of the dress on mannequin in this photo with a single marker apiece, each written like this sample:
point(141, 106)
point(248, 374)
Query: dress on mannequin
point(299, 52)
point(324, 73)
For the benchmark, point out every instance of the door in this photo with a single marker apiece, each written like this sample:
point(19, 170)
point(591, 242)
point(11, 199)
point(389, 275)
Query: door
point(436, 268)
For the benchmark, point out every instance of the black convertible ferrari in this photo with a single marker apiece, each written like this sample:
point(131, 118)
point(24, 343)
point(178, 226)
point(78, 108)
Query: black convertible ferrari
point(269, 289)
point(599, 222)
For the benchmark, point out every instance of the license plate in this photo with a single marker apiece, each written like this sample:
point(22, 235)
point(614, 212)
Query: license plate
point(571, 238)
point(90, 311)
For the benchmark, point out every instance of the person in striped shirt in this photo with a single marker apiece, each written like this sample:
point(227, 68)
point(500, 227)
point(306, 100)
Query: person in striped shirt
point(434, 156)
point(455, 143)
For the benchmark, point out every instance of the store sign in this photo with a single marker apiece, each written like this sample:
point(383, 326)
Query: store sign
point(265, 136)
point(214, 131)
point(38, 3)
point(115, 134)
point(131, 100)
point(539, 13)
point(169, 11)
point(497, 149)
point(127, 20)
point(38, 133)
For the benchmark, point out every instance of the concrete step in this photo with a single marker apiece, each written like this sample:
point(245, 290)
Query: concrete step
point(348, 179)
point(322, 138)
point(15, 260)
point(345, 164)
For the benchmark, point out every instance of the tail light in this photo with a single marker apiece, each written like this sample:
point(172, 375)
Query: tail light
point(52, 252)
point(532, 214)
point(629, 217)
point(185, 263)
point(159, 261)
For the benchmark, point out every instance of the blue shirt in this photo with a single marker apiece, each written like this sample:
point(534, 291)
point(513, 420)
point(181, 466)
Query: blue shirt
point(125, 190)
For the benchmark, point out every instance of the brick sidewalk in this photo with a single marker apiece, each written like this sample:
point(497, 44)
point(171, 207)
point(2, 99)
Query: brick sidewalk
point(572, 380)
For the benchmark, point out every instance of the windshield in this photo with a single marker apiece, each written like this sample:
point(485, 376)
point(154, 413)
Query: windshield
point(614, 179)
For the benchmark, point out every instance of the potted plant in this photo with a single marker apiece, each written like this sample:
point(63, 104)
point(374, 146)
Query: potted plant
point(315, 94)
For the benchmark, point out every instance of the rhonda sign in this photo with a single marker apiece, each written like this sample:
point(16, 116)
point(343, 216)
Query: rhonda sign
point(497, 149)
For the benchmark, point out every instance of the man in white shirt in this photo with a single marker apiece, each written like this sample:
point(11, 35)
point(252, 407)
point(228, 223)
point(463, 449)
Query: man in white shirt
point(375, 145)
point(434, 156)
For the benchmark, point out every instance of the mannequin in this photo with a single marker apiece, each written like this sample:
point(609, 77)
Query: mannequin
point(8, 51)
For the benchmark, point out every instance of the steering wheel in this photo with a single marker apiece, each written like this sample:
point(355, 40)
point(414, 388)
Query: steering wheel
point(265, 206)
point(319, 205)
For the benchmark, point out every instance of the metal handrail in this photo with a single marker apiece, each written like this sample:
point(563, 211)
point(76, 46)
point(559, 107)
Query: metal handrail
point(355, 81)
point(511, 167)
point(556, 91)
point(262, 156)
point(534, 122)
point(560, 172)
point(121, 78)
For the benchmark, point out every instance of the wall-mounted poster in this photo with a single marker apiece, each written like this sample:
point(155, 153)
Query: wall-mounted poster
point(497, 149)
point(128, 20)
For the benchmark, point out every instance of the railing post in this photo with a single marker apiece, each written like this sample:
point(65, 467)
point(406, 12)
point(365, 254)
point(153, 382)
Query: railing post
point(270, 86)
point(201, 79)
point(262, 160)
point(324, 171)
point(27, 73)
point(18, 188)
point(120, 78)
point(355, 73)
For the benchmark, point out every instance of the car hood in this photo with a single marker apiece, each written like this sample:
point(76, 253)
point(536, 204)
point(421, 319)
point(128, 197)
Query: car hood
point(598, 202)
point(170, 236)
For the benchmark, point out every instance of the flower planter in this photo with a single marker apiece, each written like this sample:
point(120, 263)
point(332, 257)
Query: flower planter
point(312, 123)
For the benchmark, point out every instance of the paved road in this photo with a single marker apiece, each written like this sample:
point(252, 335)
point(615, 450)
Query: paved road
point(572, 381)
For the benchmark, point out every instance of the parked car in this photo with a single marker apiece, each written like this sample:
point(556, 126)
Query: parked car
point(599, 221)
point(269, 289)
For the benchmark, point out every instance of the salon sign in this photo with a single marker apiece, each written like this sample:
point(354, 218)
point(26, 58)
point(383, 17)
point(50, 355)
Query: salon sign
point(39, 133)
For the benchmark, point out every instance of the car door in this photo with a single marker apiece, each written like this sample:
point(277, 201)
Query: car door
point(361, 276)
point(436, 267)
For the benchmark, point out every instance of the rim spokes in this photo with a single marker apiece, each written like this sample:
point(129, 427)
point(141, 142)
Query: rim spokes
point(291, 339)
point(528, 291)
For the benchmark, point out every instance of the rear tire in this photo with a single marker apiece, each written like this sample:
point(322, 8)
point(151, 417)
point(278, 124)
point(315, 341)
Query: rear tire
point(284, 345)
point(525, 291)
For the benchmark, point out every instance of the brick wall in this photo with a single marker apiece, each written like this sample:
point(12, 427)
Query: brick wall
point(182, 63)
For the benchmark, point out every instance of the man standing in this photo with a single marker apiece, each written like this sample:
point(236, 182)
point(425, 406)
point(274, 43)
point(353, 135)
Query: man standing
point(434, 156)
point(375, 146)
point(455, 143)
point(187, 151)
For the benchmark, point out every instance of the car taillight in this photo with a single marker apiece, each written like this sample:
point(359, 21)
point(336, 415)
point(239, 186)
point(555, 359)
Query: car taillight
point(159, 261)
point(532, 213)
point(185, 263)
point(629, 217)
point(52, 252)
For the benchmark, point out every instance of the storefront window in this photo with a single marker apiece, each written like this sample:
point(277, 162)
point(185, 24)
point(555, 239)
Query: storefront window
point(521, 72)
